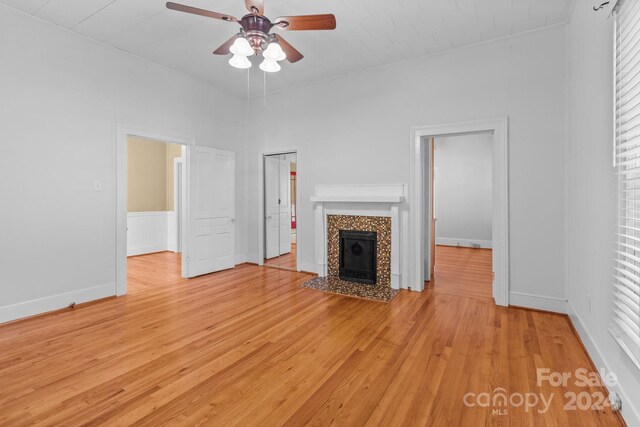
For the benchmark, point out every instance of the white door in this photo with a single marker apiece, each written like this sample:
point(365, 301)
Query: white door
point(211, 210)
point(285, 206)
point(271, 206)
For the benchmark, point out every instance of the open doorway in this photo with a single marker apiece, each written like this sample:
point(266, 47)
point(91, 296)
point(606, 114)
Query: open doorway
point(422, 225)
point(280, 211)
point(155, 208)
point(461, 204)
point(206, 207)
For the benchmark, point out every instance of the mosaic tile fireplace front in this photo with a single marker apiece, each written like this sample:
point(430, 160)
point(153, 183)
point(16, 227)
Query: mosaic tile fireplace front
point(381, 290)
point(379, 224)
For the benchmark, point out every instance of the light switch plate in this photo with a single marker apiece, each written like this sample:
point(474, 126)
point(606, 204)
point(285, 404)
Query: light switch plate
point(97, 186)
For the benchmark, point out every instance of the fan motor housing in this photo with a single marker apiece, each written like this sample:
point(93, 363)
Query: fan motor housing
point(257, 29)
point(253, 22)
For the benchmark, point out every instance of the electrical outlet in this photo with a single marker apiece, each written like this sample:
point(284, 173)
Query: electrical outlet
point(615, 401)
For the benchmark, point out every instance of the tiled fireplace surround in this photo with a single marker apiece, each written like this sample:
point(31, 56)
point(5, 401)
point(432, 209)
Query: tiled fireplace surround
point(380, 224)
point(365, 208)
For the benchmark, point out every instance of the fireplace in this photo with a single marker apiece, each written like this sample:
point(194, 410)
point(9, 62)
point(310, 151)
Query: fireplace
point(358, 256)
point(359, 250)
point(368, 208)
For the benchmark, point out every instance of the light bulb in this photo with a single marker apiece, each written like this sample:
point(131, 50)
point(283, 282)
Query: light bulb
point(239, 61)
point(274, 52)
point(241, 47)
point(270, 66)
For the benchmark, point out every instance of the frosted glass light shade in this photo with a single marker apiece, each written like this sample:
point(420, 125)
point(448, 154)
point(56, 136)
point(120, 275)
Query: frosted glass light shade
point(239, 61)
point(270, 66)
point(274, 52)
point(241, 47)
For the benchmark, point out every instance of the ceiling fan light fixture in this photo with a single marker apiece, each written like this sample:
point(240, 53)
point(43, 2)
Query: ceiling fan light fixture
point(240, 61)
point(255, 35)
point(270, 66)
point(241, 47)
point(274, 52)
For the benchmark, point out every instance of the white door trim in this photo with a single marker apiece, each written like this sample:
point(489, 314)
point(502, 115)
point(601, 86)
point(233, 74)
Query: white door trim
point(123, 132)
point(179, 187)
point(500, 232)
point(272, 152)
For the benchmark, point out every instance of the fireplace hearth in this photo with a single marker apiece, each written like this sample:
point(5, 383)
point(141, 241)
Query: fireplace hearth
point(358, 256)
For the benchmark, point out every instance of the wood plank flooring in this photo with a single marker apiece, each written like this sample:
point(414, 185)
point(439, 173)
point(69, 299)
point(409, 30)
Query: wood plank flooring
point(286, 261)
point(249, 347)
point(463, 271)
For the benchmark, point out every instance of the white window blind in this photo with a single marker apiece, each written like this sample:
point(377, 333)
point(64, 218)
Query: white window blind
point(625, 326)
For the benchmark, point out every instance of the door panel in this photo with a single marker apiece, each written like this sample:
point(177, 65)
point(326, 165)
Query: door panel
point(272, 207)
point(224, 209)
point(432, 204)
point(285, 206)
point(210, 216)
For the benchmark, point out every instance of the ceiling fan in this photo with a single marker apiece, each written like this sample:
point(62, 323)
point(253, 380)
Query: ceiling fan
point(255, 35)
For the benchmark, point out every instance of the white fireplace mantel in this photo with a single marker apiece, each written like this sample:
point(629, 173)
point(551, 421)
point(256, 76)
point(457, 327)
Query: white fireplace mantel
point(364, 200)
point(360, 193)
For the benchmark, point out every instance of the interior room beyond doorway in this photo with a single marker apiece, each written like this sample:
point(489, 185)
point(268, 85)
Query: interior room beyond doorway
point(462, 203)
point(280, 208)
point(154, 200)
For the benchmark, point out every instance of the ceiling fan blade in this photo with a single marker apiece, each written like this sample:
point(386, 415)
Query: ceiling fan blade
point(306, 22)
point(255, 6)
point(292, 53)
point(224, 48)
point(201, 12)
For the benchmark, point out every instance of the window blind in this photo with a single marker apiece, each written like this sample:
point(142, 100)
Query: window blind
point(625, 325)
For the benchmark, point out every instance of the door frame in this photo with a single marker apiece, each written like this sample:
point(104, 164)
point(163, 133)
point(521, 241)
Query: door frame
point(123, 132)
point(179, 199)
point(500, 230)
point(274, 152)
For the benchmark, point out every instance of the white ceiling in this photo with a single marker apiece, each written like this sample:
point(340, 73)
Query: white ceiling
point(369, 33)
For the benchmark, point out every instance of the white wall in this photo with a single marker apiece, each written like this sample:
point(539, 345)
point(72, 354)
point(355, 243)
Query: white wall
point(464, 201)
point(149, 232)
point(591, 196)
point(356, 129)
point(62, 97)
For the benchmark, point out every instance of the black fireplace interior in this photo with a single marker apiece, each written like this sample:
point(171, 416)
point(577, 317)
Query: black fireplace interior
point(358, 256)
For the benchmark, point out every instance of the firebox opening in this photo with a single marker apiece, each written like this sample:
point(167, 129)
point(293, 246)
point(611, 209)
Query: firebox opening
point(358, 261)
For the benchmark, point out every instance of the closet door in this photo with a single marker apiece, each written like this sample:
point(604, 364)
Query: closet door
point(284, 188)
point(272, 206)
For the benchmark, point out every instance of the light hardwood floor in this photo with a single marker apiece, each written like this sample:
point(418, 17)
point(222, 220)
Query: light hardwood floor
point(250, 347)
point(286, 261)
point(463, 271)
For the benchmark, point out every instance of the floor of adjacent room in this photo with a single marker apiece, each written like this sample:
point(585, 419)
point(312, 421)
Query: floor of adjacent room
point(286, 261)
point(249, 346)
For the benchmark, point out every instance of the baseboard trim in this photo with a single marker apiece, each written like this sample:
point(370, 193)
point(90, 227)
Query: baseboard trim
point(55, 302)
point(253, 258)
point(150, 253)
point(466, 243)
point(629, 413)
point(146, 250)
point(307, 267)
point(241, 258)
point(538, 302)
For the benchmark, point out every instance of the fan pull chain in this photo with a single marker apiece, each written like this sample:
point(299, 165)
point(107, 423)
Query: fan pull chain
point(264, 85)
